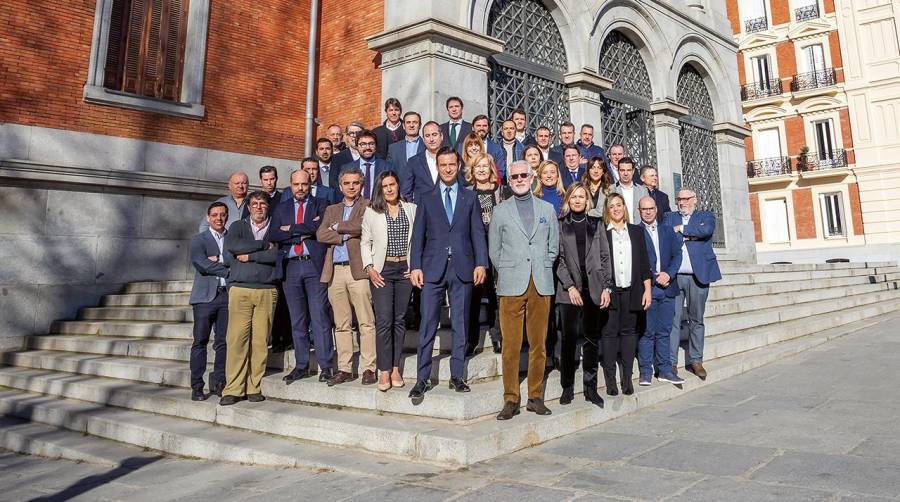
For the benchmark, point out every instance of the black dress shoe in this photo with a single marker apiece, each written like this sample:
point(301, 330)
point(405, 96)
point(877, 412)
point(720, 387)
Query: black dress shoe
point(419, 389)
point(217, 388)
point(537, 405)
point(256, 398)
point(324, 375)
point(497, 347)
point(568, 394)
point(296, 374)
point(628, 387)
point(228, 400)
point(612, 389)
point(198, 395)
point(459, 385)
point(510, 409)
point(592, 396)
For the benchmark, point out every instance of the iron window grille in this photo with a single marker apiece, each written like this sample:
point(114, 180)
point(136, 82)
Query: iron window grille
point(772, 166)
point(760, 90)
point(757, 24)
point(807, 12)
point(818, 79)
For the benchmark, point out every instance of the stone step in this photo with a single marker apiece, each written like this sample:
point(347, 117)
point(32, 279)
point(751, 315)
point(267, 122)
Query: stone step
point(893, 276)
point(133, 329)
point(776, 288)
point(159, 287)
point(164, 314)
point(414, 438)
point(788, 299)
point(791, 276)
point(147, 300)
point(485, 398)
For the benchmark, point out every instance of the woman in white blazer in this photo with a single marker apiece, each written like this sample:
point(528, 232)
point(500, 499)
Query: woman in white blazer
point(384, 246)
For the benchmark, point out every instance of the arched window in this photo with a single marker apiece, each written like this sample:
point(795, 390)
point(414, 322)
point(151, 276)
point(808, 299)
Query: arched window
point(626, 107)
point(699, 157)
point(529, 73)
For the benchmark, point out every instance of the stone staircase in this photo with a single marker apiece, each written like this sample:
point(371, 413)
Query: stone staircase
point(120, 372)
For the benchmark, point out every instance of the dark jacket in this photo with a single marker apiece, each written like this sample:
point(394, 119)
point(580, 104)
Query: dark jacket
point(640, 267)
point(207, 273)
point(698, 235)
point(306, 231)
point(669, 258)
point(464, 129)
point(384, 137)
point(263, 269)
point(597, 263)
point(662, 203)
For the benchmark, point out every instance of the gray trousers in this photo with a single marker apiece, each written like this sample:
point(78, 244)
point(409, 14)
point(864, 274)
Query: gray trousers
point(690, 304)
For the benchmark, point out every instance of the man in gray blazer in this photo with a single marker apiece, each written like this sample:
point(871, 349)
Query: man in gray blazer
point(523, 242)
point(631, 191)
point(209, 299)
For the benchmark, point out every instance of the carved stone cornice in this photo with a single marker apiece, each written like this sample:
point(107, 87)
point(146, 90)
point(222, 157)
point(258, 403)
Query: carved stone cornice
point(433, 38)
point(586, 86)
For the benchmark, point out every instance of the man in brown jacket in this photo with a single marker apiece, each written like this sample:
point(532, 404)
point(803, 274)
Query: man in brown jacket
point(348, 283)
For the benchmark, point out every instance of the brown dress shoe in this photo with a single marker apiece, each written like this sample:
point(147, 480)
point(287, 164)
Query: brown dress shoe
point(537, 405)
point(699, 370)
point(339, 378)
point(368, 377)
point(510, 409)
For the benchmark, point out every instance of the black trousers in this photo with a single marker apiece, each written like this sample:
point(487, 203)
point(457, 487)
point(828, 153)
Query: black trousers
point(619, 340)
point(281, 323)
point(391, 302)
point(483, 311)
point(580, 322)
point(206, 317)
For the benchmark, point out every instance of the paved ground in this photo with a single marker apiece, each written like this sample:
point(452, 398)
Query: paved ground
point(824, 425)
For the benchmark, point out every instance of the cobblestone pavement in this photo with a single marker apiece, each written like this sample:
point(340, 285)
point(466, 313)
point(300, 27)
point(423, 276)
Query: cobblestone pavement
point(823, 425)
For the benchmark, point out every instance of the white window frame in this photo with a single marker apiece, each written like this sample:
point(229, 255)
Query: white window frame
point(764, 216)
point(793, 5)
point(838, 197)
point(189, 104)
point(800, 52)
point(767, 8)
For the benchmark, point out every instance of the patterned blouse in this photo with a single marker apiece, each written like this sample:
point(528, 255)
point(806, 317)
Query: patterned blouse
point(398, 233)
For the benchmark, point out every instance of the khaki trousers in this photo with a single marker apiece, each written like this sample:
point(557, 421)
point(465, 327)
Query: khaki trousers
point(250, 314)
point(534, 310)
point(346, 293)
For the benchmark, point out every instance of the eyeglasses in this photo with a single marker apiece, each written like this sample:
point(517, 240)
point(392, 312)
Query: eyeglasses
point(684, 198)
point(519, 176)
point(366, 144)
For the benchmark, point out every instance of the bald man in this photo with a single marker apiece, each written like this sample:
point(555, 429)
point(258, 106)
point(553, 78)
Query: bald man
point(235, 201)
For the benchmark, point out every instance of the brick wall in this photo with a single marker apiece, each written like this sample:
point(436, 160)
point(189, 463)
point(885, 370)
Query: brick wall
point(349, 78)
point(781, 12)
point(804, 220)
point(787, 62)
point(734, 15)
point(795, 134)
point(856, 209)
point(254, 85)
point(754, 216)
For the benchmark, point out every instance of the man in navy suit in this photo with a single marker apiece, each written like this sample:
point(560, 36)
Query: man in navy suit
point(456, 129)
point(616, 153)
point(349, 154)
point(316, 188)
point(422, 169)
point(391, 130)
point(368, 163)
point(481, 126)
point(664, 251)
point(566, 138)
point(411, 145)
point(519, 117)
point(328, 170)
point(448, 255)
point(586, 145)
point(209, 300)
point(511, 148)
point(293, 227)
point(698, 270)
point(650, 180)
point(571, 170)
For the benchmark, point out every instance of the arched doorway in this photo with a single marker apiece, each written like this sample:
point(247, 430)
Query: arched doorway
point(626, 107)
point(699, 157)
point(529, 73)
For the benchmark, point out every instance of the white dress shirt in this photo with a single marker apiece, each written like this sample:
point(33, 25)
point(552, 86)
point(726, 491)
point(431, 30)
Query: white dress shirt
point(220, 241)
point(432, 166)
point(628, 195)
point(653, 230)
point(621, 255)
point(686, 267)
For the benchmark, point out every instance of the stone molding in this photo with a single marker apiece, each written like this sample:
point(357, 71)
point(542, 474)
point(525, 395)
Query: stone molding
point(732, 129)
point(586, 86)
point(109, 180)
point(434, 38)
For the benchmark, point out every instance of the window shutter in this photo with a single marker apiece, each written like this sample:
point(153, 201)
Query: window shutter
point(175, 22)
point(115, 50)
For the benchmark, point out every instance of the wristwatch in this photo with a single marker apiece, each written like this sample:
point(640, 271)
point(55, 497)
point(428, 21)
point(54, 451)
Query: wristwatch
point(608, 290)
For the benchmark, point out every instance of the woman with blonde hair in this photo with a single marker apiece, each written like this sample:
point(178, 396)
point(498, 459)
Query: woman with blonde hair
point(549, 186)
point(472, 146)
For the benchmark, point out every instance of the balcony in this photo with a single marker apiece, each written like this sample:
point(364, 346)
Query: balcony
point(807, 12)
point(773, 166)
point(821, 161)
point(760, 90)
point(754, 25)
point(818, 79)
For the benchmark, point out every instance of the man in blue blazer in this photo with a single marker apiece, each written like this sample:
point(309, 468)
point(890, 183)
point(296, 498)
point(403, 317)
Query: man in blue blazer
point(209, 300)
point(293, 227)
point(370, 165)
point(699, 268)
point(566, 138)
point(508, 145)
point(481, 125)
point(448, 255)
point(586, 145)
point(571, 170)
point(456, 129)
point(316, 188)
point(421, 170)
point(664, 252)
point(411, 145)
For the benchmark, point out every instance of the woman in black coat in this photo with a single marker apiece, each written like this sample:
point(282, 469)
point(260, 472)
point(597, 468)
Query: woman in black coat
point(630, 295)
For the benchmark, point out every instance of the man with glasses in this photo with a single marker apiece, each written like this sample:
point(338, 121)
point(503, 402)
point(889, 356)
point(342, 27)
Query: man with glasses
point(698, 270)
point(349, 154)
point(630, 191)
point(368, 163)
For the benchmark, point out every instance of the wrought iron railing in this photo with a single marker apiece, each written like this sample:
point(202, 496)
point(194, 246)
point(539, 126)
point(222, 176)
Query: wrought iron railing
point(818, 79)
point(807, 12)
point(759, 90)
point(772, 166)
point(818, 161)
point(758, 24)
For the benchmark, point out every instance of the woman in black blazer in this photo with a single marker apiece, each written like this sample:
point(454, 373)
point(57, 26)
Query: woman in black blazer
point(578, 274)
point(630, 295)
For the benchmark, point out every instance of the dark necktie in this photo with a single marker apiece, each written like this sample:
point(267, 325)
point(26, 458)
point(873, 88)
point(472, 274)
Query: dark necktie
point(366, 188)
point(453, 134)
point(448, 205)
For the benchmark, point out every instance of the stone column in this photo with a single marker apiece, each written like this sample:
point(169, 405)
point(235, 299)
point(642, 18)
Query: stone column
point(585, 103)
point(427, 61)
point(739, 238)
point(668, 144)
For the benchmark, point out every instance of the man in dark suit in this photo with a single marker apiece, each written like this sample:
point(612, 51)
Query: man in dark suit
point(651, 182)
point(520, 118)
point(268, 182)
point(209, 300)
point(586, 145)
point(616, 153)
point(456, 129)
point(570, 170)
point(698, 270)
point(542, 137)
point(391, 130)
point(293, 227)
point(328, 170)
point(327, 194)
point(664, 253)
point(336, 135)
point(511, 148)
point(422, 170)
point(481, 126)
point(566, 138)
point(448, 255)
point(368, 163)
point(349, 154)
point(400, 152)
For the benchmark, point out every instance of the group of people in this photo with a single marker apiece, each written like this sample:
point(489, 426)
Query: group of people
point(561, 244)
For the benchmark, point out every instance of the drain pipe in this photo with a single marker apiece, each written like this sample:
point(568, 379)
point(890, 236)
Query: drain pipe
point(311, 77)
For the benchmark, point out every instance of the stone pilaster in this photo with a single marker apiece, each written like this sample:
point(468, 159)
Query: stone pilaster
point(735, 195)
point(585, 101)
point(668, 143)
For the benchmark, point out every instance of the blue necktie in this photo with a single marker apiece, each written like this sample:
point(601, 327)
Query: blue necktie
point(448, 205)
point(367, 177)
